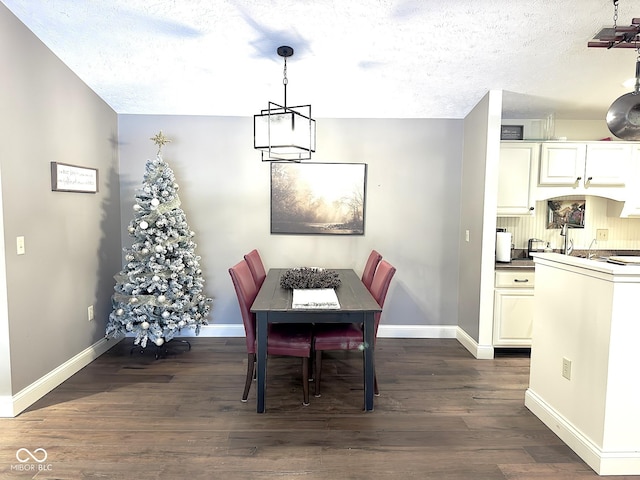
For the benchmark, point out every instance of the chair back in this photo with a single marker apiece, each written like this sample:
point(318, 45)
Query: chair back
point(246, 291)
point(370, 268)
point(380, 285)
point(256, 266)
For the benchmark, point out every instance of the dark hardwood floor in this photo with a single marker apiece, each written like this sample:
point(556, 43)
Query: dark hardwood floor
point(441, 415)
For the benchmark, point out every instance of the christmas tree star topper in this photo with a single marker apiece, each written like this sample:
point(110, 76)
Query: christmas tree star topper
point(160, 140)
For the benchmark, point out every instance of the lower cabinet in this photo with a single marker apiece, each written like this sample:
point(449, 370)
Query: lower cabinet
point(513, 308)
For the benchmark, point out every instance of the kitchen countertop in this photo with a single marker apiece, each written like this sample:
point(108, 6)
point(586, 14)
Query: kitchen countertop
point(516, 263)
point(523, 262)
point(598, 266)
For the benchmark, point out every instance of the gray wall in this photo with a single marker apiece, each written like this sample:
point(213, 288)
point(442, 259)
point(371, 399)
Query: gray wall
point(477, 215)
point(72, 240)
point(412, 206)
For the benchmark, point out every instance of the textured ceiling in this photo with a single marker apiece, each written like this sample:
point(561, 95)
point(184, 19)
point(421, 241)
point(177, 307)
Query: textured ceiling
point(353, 59)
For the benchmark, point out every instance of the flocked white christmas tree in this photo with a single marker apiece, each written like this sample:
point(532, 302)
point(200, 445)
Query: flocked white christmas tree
point(159, 291)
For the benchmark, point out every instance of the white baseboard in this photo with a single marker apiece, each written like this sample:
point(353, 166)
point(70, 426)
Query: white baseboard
point(387, 331)
point(481, 352)
point(417, 331)
point(216, 330)
point(11, 406)
point(602, 462)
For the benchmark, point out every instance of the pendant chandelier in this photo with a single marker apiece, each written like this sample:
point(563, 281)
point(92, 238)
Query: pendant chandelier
point(284, 133)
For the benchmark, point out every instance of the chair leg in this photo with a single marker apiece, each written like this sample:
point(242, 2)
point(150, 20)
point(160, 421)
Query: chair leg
point(305, 381)
point(318, 370)
point(251, 360)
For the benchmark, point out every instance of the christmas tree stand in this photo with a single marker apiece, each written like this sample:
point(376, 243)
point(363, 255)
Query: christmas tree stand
point(161, 351)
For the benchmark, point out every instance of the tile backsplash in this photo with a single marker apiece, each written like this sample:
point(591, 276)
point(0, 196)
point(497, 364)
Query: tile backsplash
point(623, 233)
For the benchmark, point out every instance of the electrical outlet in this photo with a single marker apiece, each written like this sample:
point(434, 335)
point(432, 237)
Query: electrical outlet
point(466, 235)
point(566, 368)
point(602, 235)
point(90, 312)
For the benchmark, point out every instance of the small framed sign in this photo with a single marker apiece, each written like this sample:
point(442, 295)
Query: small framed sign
point(71, 178)
point(512, 132)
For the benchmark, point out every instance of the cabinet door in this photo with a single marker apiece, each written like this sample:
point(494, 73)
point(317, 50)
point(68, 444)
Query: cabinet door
point(516, 178)
point(607, 163)
point(562, 163)
point(512, 317)
point(631, 205)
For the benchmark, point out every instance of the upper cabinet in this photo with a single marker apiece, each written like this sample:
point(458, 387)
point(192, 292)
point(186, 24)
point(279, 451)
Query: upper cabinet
point(562, 163)
point(517, 177)
point(577, 168)
point(630, 208)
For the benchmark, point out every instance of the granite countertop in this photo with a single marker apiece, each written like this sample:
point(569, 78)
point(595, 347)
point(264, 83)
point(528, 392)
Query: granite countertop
point(526, 263)
point(594, 267)
point(521, 261)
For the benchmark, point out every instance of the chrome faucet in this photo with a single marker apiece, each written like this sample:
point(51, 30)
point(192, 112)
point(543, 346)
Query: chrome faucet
point(589, 254)
point(568, 243)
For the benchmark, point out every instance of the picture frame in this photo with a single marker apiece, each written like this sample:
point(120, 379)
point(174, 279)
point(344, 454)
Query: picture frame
point(512, 132)
point(571, 212)
point(73, 178)
point(318, 198)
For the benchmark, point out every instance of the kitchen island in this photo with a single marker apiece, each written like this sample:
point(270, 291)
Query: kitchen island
point(585, 365)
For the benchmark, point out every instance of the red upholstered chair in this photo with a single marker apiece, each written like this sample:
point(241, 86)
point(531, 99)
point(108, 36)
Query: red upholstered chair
point(370, 268)
point(283, 339)
point(257, 268)
point(350, 336)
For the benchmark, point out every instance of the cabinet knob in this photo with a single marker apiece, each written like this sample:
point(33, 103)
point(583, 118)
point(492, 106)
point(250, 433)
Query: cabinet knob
point(578, 179)
point(517, 280)
point(531, 209)
point(589, 179)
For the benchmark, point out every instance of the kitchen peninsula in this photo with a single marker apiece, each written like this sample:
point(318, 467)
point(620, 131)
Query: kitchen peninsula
point(584, 359)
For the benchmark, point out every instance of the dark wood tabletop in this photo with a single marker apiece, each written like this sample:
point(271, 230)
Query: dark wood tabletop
point(352, 294)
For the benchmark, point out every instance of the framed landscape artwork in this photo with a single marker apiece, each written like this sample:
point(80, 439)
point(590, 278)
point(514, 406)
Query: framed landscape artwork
point(318, 198)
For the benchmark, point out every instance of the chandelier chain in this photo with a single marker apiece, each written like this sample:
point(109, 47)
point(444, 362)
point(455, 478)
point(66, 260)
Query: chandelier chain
point(285, 81)
point(615, 14)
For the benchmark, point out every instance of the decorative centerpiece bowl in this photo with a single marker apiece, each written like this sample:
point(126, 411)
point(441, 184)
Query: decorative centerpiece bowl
point(309, 277)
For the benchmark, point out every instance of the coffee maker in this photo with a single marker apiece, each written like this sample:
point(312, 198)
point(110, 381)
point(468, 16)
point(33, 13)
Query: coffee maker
point(535, 245)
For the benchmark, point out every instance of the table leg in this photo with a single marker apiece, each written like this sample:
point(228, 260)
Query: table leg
point(261, 360)
point(369, 365)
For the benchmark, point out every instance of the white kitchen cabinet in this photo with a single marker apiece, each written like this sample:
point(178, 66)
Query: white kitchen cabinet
point(630, 207)
point(562, 163)
point(607, 164)
point(517, 178)
point(584, 165)
point(513, 308)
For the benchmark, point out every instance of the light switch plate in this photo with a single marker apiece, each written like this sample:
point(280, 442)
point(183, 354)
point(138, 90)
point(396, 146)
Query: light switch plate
point(20, 245)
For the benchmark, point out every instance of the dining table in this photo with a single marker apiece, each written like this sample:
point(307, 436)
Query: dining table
point(274, 303)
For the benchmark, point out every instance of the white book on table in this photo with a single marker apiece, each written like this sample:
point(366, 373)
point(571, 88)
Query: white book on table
point(315, 298)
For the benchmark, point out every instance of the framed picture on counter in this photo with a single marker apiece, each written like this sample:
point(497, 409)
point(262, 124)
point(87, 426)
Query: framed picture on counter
point(512, 132)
